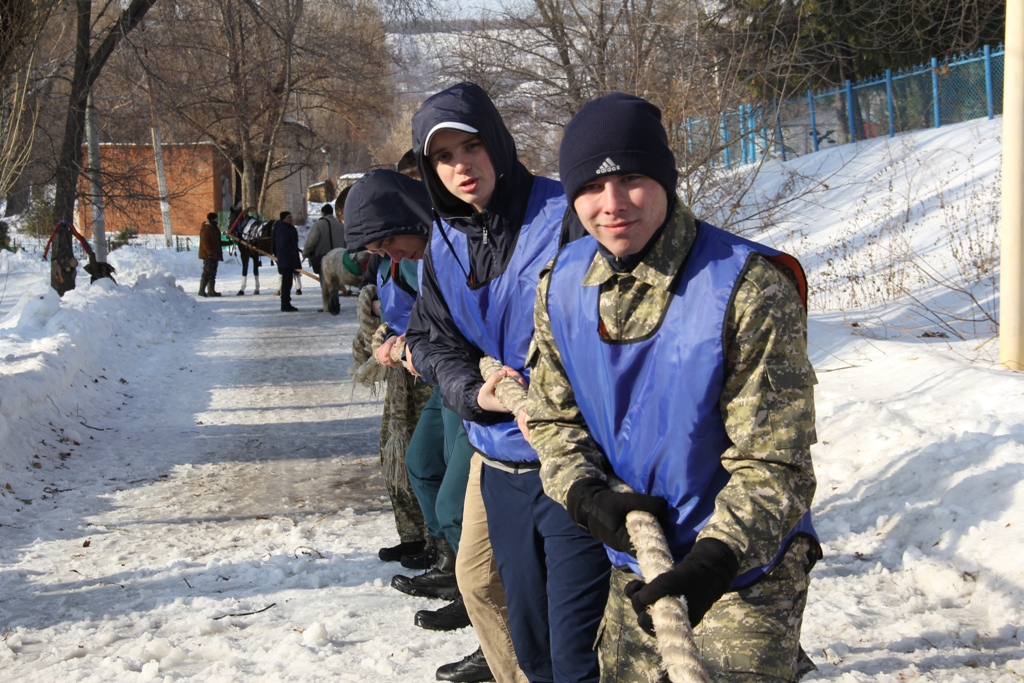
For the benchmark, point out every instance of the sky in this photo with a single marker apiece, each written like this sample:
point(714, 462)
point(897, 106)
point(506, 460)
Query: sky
point(190, 488)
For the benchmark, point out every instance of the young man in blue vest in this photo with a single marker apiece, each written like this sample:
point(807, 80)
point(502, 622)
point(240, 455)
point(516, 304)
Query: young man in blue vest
point(673, 355)
point(389, 213)
point(386, 206)
point(495, 227)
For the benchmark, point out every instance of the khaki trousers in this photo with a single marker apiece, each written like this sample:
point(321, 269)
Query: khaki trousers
point(481, 587)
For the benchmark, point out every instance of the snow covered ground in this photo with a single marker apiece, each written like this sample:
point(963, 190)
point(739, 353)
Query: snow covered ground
point(190, 491)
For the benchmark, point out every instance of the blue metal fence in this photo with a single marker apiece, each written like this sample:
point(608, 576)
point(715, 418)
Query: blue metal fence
point(942, 92)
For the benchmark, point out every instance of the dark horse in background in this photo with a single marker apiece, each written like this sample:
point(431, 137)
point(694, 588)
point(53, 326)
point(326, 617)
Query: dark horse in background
point(251, 232)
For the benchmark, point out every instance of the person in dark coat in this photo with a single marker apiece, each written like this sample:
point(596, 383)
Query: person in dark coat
point(326, 235)
point(286, 250)
point(211, 254)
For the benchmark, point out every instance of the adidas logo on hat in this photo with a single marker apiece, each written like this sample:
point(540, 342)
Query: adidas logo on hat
point(607, 166)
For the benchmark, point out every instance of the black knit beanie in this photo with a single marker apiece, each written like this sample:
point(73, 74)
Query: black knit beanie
point(616, 133)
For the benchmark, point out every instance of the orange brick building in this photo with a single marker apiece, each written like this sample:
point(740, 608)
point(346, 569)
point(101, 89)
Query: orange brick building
point(198, 181)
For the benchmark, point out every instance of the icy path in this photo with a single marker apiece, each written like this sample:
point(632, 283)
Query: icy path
point(220, 496)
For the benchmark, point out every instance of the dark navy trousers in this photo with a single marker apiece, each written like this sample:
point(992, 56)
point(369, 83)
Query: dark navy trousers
point(555, 578)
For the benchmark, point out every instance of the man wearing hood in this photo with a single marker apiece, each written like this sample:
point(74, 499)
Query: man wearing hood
point(379, 205)
point(389, 213)
point(495, 226)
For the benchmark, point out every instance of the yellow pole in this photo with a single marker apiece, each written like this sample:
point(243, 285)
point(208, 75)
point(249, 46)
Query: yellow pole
point(1011, 259)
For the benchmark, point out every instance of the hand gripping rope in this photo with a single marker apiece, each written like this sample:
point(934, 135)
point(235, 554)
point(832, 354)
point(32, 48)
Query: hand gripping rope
point(679, 653)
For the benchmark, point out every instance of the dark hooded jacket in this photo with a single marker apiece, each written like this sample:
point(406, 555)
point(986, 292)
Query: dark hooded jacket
point(384, 203)
point(452, 358)
point(381, 204)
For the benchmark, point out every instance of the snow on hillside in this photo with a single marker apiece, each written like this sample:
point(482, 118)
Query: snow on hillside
point(911, 220)
point(189, 488)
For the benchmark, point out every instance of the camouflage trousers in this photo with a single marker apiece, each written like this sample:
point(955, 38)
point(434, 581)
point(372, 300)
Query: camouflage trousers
point(414, 395)
point(749, 636)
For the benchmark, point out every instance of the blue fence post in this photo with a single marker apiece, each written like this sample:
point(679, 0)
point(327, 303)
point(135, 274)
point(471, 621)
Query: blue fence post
point(764, 132)
point(849, 111)
point(780, 142)
point(742, 133)
point(709, 137)
point(888, 95)
point(935, 91)
point(814, 126)
point(725, 142)
point(751, 133)
point(988, 83)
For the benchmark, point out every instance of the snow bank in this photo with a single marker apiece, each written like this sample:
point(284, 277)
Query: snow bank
point(55, 351)
point(905, 229)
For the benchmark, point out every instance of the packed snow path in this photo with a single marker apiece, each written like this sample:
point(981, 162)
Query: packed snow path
point(206, 505)
point(245, 479)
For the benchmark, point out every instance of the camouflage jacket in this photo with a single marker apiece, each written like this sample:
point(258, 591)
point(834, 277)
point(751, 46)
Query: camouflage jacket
point(767, 400)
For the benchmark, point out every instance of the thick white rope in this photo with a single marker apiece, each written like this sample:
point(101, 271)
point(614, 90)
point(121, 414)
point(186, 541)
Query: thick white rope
point(679, 653)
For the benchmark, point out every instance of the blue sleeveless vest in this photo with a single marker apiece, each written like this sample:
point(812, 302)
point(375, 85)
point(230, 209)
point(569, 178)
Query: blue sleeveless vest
point(663, 433)
point(497, 317)
point(396, 296)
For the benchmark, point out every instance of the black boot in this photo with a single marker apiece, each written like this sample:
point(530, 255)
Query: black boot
point(448, 618)
point(439, 582)
point(211, 287)
point(202, 286)
point(424, 559)
point(397, 552)
point(469, 669)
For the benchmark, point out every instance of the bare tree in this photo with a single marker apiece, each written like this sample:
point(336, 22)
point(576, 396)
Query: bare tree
point(21, 22)
point(812, 43)
point(96, 39)
point(543, 59)
point(241, 73)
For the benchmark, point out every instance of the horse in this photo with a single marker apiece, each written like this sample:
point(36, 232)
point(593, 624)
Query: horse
point(256, 233)
point(336, 277)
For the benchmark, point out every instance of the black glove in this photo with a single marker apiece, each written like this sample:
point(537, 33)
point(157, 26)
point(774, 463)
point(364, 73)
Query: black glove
point(602, 512)
point(702, 578)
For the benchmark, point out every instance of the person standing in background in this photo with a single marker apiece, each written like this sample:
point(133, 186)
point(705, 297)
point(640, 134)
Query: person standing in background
point(326, 234)
point(286, 250)
point(211, 254)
